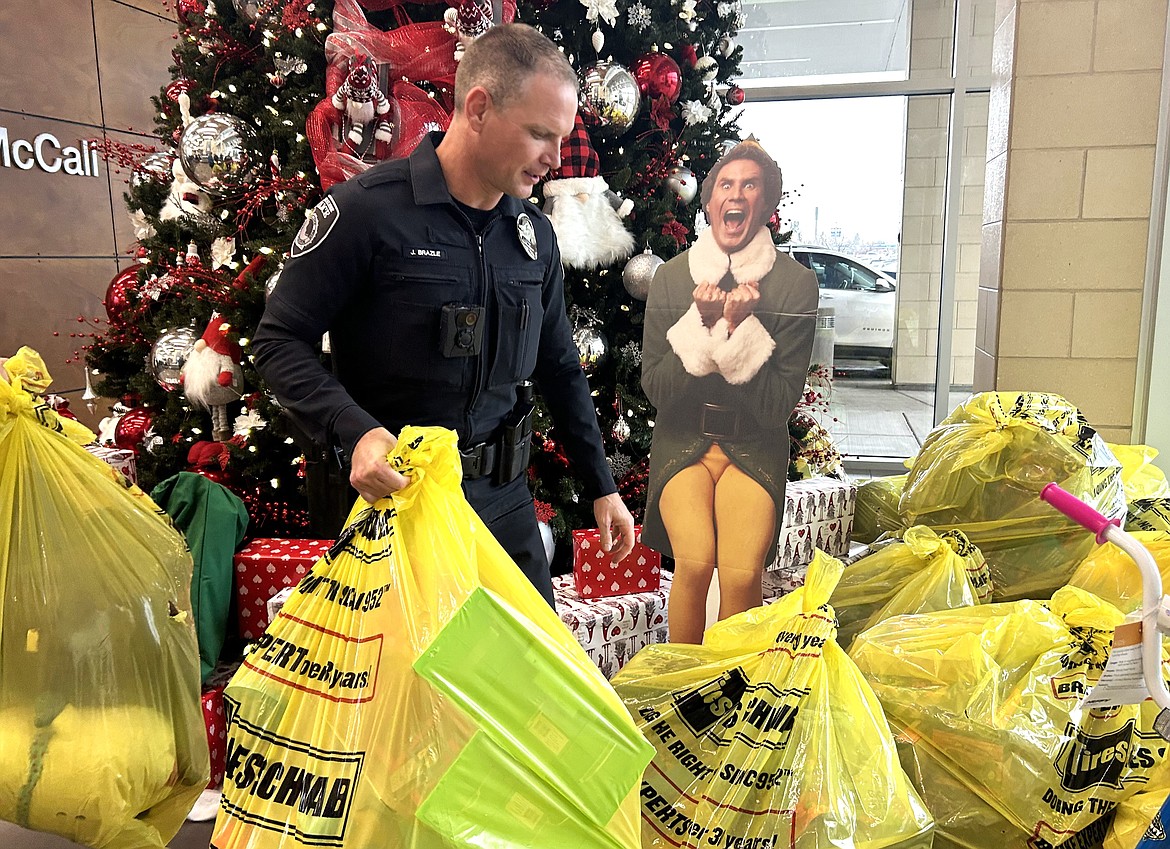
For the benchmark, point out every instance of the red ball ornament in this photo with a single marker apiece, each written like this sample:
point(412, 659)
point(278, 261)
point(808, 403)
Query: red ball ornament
point(131, 428)
point(186, 8)
point(117, 301)
point(735, 95)
point(658, 76)
point(180, 86)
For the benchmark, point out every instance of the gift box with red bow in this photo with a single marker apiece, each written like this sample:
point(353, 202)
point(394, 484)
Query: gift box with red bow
point(263, 568)
point(596, 577)
point(615, 628)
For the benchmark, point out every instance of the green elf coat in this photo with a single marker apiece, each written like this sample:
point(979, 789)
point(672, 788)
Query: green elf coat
point(754, 376)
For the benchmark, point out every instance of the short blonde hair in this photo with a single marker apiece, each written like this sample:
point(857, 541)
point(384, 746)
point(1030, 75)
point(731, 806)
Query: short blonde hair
point(504, 58)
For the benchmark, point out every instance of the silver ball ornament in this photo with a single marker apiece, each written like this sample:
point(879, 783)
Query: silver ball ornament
point(248, 10)
point(216, 154)
point(639, 273)
point(610, 98)
point(726, 46)
point(726, 146)
point(153, 167)
point(168, 353)
point(591, 348)
point(681, 180)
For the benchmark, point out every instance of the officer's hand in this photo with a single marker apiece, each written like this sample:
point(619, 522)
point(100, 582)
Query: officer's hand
point(709, 298)
point(616, 526)
point(370, 473)
point(741, 302)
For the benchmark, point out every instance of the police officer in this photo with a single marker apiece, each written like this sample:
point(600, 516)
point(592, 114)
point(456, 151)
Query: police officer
point(442, 291)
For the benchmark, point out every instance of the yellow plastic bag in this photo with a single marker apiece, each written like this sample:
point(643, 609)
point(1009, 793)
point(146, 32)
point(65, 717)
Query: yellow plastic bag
point(982, 469)
point(101, 733)
point(1140, 477)
point(767, 736)
point(963, 820)
point(1150, 515)
point(1136, 816)
point(994, 695)
point(1111, 575)
point(920, 573)
point(877, 508)
point(416, 692)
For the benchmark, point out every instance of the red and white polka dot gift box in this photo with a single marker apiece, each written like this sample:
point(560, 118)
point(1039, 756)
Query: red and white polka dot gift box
point(595, 577)
point(263, 568)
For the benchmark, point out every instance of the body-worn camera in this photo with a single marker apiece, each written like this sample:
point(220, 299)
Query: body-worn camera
point(461, 330)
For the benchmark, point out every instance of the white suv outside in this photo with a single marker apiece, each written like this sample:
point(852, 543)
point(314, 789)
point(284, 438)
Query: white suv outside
point(862, 299)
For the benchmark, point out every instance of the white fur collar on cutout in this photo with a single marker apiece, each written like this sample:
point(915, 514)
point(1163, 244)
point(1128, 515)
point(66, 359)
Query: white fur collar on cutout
point(708, 263)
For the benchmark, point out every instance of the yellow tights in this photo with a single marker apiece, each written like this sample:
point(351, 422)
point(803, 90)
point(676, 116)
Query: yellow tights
point(703, 498)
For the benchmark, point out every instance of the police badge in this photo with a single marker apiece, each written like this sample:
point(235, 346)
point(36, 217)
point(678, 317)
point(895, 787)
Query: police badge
point(316, 227)
point(527, 234)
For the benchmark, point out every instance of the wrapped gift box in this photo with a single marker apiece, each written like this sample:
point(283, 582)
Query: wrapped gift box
point(818, 513)
point(263, 568)
point(595, 577)
point(613, 629)
point(119, 459)
point(215, 719)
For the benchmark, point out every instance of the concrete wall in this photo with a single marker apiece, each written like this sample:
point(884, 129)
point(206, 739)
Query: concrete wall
point(75, 69)
point(1070, 162)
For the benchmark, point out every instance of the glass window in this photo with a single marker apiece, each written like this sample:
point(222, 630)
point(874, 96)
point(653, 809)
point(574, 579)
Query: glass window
point(791, 42)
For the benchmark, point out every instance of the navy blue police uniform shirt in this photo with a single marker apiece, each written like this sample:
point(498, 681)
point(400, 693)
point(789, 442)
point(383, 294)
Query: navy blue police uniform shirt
point(374, 265)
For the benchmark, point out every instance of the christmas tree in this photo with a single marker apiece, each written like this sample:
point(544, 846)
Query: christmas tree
point(273, 101)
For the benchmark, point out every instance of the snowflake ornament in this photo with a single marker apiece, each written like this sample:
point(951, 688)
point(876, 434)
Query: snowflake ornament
point(638, 16)
point(695, 112)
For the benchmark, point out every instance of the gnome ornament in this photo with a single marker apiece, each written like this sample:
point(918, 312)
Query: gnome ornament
point(211, 376)
point(360, 100)
point(187, 199)
point(467, 20)
point(586, 215)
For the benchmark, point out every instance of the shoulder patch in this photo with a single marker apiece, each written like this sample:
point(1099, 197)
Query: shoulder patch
point(316, 227)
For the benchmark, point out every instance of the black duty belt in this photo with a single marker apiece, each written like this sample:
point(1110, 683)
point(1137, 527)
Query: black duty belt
point(719, 422)
point(479, 461)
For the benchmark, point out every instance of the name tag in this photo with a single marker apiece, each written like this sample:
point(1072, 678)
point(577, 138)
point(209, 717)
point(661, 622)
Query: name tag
point(426, 253)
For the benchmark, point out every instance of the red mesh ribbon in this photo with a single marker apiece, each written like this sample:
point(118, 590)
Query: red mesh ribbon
point(415, 53)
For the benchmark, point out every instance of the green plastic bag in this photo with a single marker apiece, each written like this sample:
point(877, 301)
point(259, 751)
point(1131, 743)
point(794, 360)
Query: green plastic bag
point(767, 736)
point(982, 469)
point(920, 573)
point(101, 734)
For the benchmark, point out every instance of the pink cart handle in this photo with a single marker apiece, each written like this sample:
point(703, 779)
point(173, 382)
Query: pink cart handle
point(1078, 511)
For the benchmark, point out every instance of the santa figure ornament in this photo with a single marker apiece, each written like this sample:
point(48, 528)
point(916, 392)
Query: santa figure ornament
point(211, 376)
point(360, 100)
point(585, 214)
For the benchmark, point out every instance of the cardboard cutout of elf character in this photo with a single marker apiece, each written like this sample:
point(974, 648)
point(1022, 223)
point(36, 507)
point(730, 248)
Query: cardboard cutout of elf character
point(725, 353)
